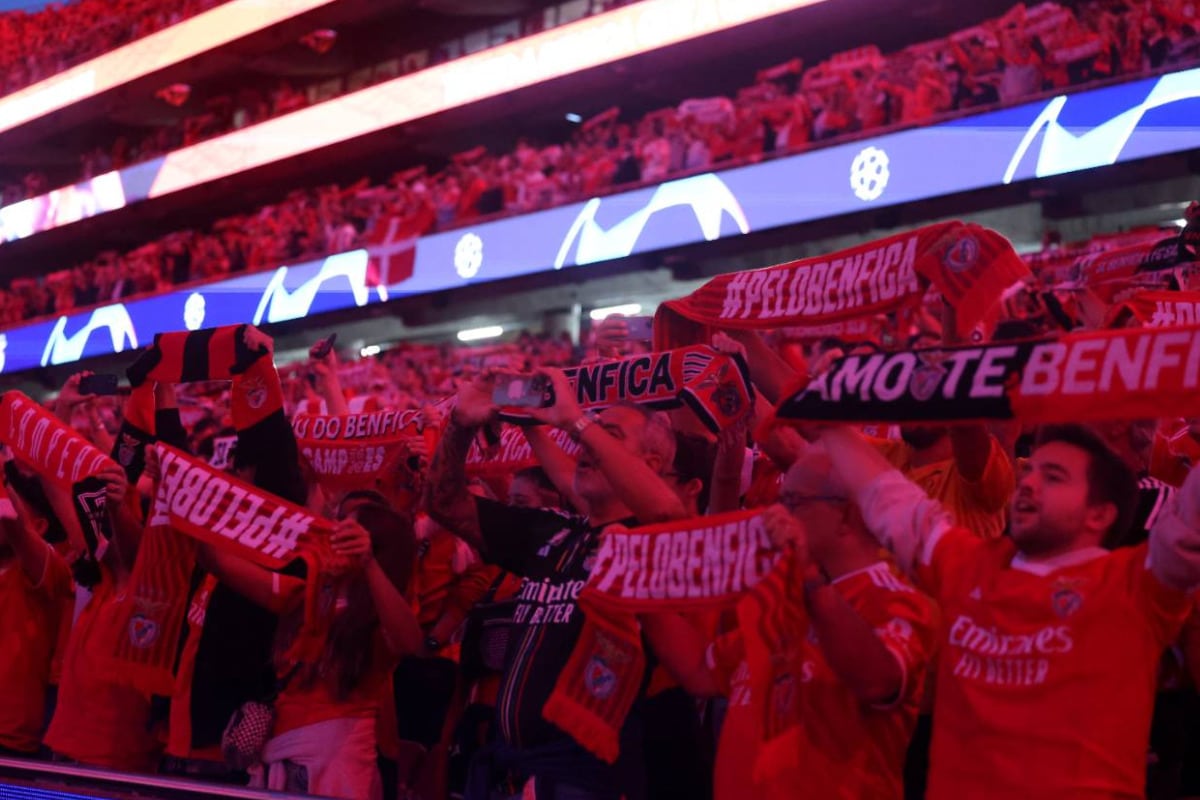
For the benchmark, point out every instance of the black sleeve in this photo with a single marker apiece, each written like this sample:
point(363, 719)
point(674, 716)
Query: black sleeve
point(512, 536)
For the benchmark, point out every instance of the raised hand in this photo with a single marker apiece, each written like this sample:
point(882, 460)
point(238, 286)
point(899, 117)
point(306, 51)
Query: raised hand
point(473, 404)
point(256, 340)
point(566, 408)
point(786, 532)
point(352, 541)
point(115, 483)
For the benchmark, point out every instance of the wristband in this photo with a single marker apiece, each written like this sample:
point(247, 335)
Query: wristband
point(580, 425)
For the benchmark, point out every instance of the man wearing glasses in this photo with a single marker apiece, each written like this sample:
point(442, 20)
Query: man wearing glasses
point(857, 669)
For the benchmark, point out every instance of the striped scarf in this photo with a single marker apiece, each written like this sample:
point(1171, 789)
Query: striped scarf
point(716, 386)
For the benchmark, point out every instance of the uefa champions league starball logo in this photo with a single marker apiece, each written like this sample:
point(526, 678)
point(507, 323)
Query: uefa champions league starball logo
point(468, 256)
point(869, 173)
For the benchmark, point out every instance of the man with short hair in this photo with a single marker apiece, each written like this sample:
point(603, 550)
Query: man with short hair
point(857, 661)
point(625, 449)
point(1052, 641)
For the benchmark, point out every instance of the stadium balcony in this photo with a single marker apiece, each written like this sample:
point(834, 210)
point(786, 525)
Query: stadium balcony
point(360, 133)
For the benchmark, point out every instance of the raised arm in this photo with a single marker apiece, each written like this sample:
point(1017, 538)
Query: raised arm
point(851, 647)
point(559, 466)
point(636, 484)
point(270, 590)
point(1175, 538)
point(896, 511)
point(446, 495)
point(397, 622)
point(726, 491)
point(771, 375)
point(682, 650)
point(328, 383)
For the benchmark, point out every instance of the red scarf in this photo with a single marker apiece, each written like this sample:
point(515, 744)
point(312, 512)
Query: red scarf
point(512, 453)
point(970, 265)
point(215, 508)
point(351, 451)
point(1109, 271)
point(714, 385)
point(63, 458)
point(1155, 308)
point(1126, 373)
point(690, 565)
point(156, 601)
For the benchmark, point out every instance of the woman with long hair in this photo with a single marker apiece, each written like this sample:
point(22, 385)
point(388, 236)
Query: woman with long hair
point(323, 739)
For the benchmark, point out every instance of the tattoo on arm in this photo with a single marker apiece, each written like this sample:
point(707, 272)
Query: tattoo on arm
point(446, 494)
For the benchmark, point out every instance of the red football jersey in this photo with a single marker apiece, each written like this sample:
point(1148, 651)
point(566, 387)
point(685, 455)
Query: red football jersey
point(850, 750)
point(1046, 680)
point(30, 616)
point(99, 722)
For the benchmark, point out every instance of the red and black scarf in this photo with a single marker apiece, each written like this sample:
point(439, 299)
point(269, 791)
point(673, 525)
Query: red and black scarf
point(714, 385)
point(155, 603)
point(210, 506)
point(1127, 373)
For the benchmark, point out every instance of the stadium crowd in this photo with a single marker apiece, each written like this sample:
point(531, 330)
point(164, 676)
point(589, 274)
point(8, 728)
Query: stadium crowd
point(788, 108)
point(455, 571)
point(35, 45)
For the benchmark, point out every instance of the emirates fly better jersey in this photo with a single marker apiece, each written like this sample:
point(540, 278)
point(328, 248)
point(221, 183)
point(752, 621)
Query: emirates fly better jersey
point(850, 750)
point(1047, 672)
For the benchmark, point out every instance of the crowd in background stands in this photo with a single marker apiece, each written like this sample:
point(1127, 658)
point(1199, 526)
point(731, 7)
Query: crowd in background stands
point(35, 45)
point(788, 108)
point(253, 104)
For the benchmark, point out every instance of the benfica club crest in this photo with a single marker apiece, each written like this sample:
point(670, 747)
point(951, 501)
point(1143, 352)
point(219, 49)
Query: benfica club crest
point(599, 679)
point(927, 377)
point(256, 393)
point(962, 255)
point(1065, 598)
point(143, 631)
point(126, 450)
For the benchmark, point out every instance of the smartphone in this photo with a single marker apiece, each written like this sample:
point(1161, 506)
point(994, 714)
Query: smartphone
point(322, 348)
point(640, 329)
point(98, 384)
point(522, 391)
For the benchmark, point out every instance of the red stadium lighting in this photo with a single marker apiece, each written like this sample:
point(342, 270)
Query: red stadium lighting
point(582, 45)
point(212, 29)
